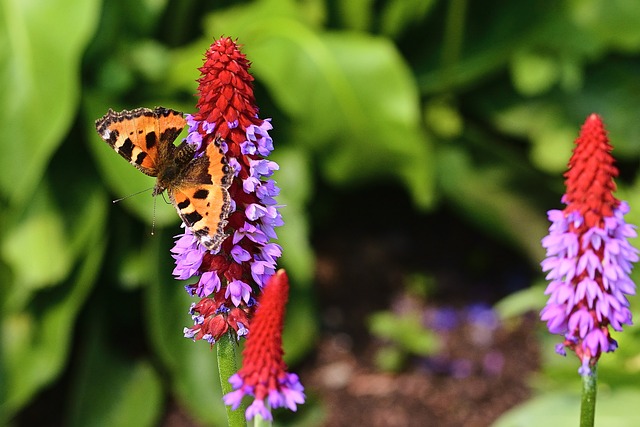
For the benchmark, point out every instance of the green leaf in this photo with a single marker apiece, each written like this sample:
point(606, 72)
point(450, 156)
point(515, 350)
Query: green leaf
point(557, 118)
point(608, 91)
point(41, 246)
point(518, 303)
point(360, 98)
point(301, 328)
point(405, 330)
point(184, 63)
point(482, 195)
point(41, 339)
point(615, 408)
point(552, 409)
point(390, 359)
point(533, 73)
point(487, 46)
point(443, 118)
point(599, 17)
point(551, 134)
point(150, 59)
point(400, 15)
point(131, 394)
point(37, 248)
point(295, 182)
point(379, 118)
point(112, 391)
point(37, 324)
point(39, 85)
point(355, 14)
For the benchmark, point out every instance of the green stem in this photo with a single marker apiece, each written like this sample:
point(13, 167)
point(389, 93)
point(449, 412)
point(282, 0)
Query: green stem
point(452, 44)
point(588, 406)
point(258, 421)
point(227, 366)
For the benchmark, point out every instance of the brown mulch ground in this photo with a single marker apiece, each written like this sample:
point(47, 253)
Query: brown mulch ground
point(354, 392)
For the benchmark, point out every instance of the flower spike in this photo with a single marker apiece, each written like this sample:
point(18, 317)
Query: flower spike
point(264, 374)
point(227, 114)
point(589, 257)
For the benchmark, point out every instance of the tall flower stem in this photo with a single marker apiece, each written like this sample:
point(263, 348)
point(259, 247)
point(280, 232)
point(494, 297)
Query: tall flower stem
point(589, 391)
point(453, 40)
point(258, 421)
point(227, 366)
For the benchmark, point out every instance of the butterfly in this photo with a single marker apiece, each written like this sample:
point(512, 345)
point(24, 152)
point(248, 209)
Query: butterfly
point(197, 186)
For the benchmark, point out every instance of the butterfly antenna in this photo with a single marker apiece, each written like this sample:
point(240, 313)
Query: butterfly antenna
point(153, 220)
point(131, 195)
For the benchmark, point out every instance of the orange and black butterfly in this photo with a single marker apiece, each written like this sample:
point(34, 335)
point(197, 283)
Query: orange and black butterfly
point(197, 187)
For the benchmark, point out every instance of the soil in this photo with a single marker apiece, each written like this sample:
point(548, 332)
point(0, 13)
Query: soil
point(355, 393)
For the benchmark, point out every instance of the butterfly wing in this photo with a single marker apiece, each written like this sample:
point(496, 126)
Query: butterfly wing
point(142, 136)
point(201, 197)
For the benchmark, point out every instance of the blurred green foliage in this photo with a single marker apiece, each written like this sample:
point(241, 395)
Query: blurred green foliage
point(405, 336)
point(470, 105)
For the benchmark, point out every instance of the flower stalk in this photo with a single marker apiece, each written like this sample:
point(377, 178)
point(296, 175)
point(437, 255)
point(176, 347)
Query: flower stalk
point(227, 366)
point(588, 403)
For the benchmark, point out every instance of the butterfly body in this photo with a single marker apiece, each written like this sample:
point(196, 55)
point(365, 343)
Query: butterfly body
point(174, 166)
point(197, 186)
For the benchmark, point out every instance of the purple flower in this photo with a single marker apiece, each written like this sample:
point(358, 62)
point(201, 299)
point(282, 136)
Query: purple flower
point(188, 255)
point(208, 284)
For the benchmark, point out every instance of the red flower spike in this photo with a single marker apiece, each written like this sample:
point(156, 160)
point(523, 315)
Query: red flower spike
point(589, 256)
point(226, 80)
point(589, 180)
point(266, 332)
point(264, 374)
point(247, 258)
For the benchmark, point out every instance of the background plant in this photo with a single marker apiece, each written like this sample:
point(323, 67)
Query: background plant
point(462, 108)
